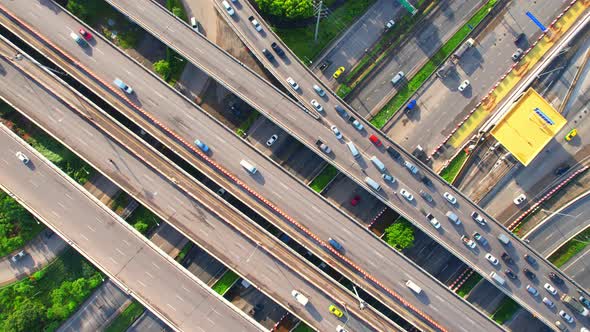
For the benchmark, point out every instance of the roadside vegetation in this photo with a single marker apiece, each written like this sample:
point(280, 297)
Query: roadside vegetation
point(183, 252)
point(400, 235)
point(295, 9)
point(170, 68)
point(468, 285)
point(505, 311)
point(126, 318)
point(17, 225)
point(321, 181)
point(300, 39)
point(570, 248)
point(301, 327)
point(48, 297)
point(450, 172)
point(405, 92)
point(225, 282)
point(244, 126)
point(143, 220)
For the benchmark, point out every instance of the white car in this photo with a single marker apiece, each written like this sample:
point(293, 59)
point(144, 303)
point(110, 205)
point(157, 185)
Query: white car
point(358, 125)
point(302, 299)
point(550, 289)
point(548, 302)
point(521, 198)
point(491, 259)
point(22, 157)
point(389, 24)
point(407, 195)
point(336, 132)
point(271, 140)
point(566, 317)
point(255, 23)
point(316, 105)
point(463, 85)
point(450, 198)
point(341, 329)
point(434, 223)
point(292, 83)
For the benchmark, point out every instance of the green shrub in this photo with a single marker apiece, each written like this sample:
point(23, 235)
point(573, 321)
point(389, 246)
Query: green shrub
point(292, 9)
point(321, 181)
point(400, 235)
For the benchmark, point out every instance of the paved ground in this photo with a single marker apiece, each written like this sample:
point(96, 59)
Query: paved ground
point(441, 105)
point(203, 265)
point(342, 190)
point(349, 48)
point(148, 323)
point(432, 33)
point(249, 299)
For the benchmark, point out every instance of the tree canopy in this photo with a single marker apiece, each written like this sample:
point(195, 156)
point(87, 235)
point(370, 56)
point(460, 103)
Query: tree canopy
point(292, 9)
point(400, 235)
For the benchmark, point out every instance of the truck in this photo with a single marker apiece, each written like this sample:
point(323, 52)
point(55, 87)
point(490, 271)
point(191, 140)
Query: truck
point(574, 305)
point(461, 50)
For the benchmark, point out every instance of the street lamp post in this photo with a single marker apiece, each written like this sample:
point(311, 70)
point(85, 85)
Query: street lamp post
point(362, 303)
point(559, 213)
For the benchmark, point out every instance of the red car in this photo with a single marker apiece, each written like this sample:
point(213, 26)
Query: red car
point(85, 34)
point(375, 140)
point(355, 200)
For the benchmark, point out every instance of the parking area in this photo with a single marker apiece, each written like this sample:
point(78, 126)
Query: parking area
point(353, 199)
point(255, 303)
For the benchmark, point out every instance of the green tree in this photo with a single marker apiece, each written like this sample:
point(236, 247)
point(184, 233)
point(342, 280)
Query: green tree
point(400, 235)
point(162, 67)
point(291, 9)
point(141, 227)
point(26, 316)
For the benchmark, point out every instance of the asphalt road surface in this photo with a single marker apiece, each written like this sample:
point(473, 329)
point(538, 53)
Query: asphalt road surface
point(250, 258)
point(146, 272)
point(295, 198)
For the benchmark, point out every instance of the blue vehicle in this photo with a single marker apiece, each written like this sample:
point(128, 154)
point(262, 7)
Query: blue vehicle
point(411, 106)
point(202, 146)
point(335, 244)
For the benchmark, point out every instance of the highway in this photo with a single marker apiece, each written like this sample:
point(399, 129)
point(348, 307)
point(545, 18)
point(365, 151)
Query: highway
point(299, 202)
point(208, 221)
point(281, 110)
point(147, 273)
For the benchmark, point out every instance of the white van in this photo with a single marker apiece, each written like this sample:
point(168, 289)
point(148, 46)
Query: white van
point(411, 285)
point(497, 278)
point(504, 239)
point(353, 150)
point(194, 24)
point(372, 183)
point(249, 167)
point(453, 217)
point(398, 77)
point(302, 299)
point(227, 7)
point(378, 164)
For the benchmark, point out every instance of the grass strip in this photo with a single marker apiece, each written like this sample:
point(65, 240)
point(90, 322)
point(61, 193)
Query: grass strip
point(302, 327)
point(570, 248)
point(184, 251)
point(468, 285)
point(450, 172)
point(300, 39)
point(225, 282)
point(244, 126)
point(505, 311)
point(321, 181)
point(126, 318)
point(405, 92)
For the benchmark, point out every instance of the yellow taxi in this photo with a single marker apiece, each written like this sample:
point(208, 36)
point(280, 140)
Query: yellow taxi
point(573, 133)
point(335, 311)
point(338, 72)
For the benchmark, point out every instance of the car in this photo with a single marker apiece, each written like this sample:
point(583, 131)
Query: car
point(18, 256)
point(550, 288)
point(389, 24)
point(427, 181)
point(341, 329)
point(393, 152)
point(506, 258)
point(121, 85)
point(521, 198)
point(510, 274)
point(566, 317)
point(468, 242)
point(411, 167)
point(22, 157)
point(343, 113)
point(433, 221)
point(584, 301)
point(375, 140)
point(336, 132)
point(358, 125)
point(271, 140)
point(398, 77)
point(491, 259)
point(255, 23)
point(319, 90)
point(478, 218)
point(85, 34)
point(302, 299)
point(278, 50)
point(450, 197)
point(519, 39)
point(548, 302)
point(427, 197)
point(406, 194)
point(338, 72)
point(561, 170)
point(532, 290)
point(355, 200)
point(316, 105)
point(267, 54)
point(463, 85)
point(323, 146)
point(78, 40)
point(571, 134)
point(335, 311)
point(555, 278)
point(388, 178)
point(479, 238)
point(517, 54)
point(292, 83)
point(194, 24)
point(530, 259)
point(335, 244)
point(202, 146)
point(529, 274)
